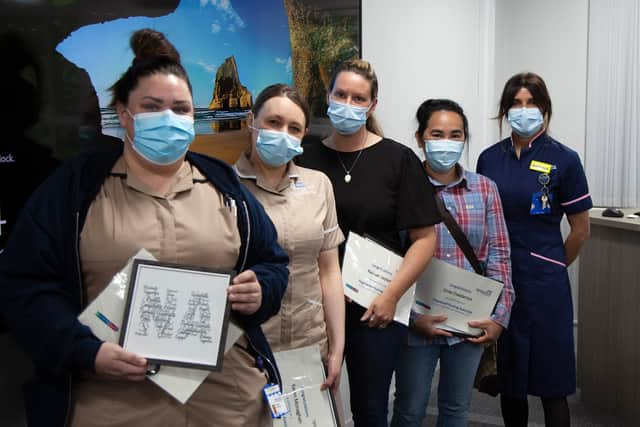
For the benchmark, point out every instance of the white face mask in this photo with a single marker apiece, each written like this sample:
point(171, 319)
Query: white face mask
point(443, 154)
point(162, 137)
point(347, 119)
point(525, 122)
point(276, 148)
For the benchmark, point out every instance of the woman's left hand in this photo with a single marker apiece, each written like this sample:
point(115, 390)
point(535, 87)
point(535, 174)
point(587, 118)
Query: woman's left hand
point(381, 311)
point(334, 368)
point(245, 293)
point(492, 331)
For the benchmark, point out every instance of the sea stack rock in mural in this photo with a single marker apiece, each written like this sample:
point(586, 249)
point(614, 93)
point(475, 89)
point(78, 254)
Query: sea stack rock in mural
point(228, 92)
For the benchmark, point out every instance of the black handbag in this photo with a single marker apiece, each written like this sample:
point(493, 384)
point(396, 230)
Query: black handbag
point(486, 380)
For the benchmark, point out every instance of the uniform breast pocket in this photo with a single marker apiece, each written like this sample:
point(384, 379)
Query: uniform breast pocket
point(306, 241)
point(212, 240)
point(306, 216)
point(113, 234)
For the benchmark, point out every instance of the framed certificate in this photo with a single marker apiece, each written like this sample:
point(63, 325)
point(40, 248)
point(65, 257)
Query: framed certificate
point(177, 315)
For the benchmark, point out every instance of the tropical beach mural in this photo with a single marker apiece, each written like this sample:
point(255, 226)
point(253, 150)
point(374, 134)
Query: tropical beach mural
point(231, 49)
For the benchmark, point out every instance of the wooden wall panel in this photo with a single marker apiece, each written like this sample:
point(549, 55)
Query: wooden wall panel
point(609, 322)
point(226, 146)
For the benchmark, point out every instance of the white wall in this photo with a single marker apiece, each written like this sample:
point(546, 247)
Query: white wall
point(424, 49)
point(466, 50)
point(548, 37)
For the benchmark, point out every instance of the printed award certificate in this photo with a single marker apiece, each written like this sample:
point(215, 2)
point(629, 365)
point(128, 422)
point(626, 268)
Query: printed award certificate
point(367, 269)
point(302, 374)
point(176, 315)
point(459, 294)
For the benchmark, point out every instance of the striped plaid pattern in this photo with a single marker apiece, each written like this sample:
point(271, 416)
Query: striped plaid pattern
point(474, 203)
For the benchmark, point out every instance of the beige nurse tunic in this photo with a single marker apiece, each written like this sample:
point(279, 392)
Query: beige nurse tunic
point(189, 225)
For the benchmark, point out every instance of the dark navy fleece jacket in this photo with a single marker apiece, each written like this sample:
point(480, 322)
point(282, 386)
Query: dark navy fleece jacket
point(41, 292)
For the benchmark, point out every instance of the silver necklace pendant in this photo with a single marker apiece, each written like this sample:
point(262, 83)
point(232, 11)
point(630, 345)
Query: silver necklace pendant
point(347, 172)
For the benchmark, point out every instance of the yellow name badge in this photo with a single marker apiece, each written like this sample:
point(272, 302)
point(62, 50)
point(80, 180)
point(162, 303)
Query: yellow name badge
point(540, 166)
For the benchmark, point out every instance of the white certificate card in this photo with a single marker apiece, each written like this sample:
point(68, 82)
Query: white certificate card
point(302, 374)
point(367, 269)
point(459, 294)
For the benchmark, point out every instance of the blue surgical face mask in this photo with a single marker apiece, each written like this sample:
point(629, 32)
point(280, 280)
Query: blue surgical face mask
point(443, 154)
point(525, 122)
point(276, 148)
point(346, 118)
point(162, 137)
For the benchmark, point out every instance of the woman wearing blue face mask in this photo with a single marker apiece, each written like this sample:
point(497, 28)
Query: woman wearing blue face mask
point(474, 203)
point(300, 203)
point(100, 209)
point(540, 181)
point(377, 182)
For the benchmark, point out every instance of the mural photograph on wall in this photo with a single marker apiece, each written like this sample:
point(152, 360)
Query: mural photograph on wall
point(231, 51)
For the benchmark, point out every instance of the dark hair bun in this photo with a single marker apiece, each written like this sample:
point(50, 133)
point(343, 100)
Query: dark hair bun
point(148, 44)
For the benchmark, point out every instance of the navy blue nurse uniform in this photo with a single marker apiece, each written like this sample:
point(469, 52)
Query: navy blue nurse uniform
point(536, 353)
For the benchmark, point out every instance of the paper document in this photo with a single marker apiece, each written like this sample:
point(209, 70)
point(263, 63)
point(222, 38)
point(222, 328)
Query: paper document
point(104, 317)
point(302, 374)
point(367, 269)
point(459, 294)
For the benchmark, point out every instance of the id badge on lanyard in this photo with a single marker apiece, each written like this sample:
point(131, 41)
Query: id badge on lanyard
point(275, 400)
point(541, 200)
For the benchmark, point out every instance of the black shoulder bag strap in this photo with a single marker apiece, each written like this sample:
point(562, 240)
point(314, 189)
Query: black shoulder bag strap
point(459, 236)
point(486, 379)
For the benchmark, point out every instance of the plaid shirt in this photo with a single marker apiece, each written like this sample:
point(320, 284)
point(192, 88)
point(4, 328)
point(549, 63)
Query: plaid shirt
point(474, 203)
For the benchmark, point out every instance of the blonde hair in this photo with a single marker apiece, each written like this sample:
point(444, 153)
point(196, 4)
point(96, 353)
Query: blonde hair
point(364, 69)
